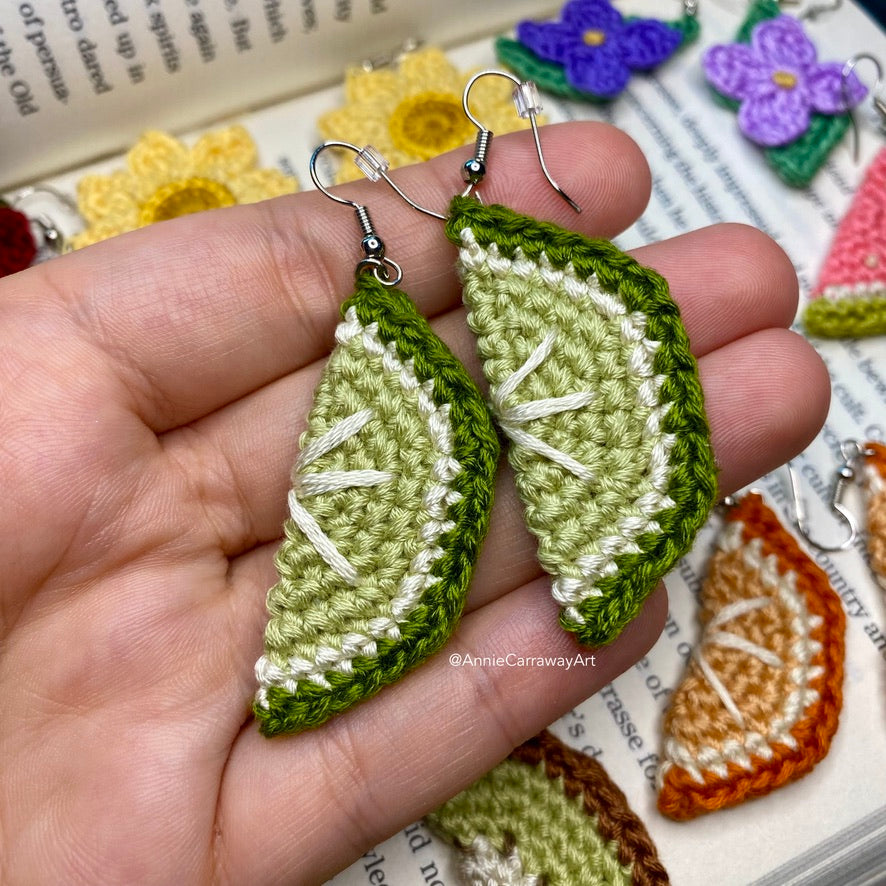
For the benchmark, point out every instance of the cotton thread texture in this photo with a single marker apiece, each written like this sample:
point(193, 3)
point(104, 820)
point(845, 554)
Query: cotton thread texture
point(165, 179)
point(796, 162)
point(592, 52)
point(875, 492)
point(412, 112)
point(548, 816)
point(850, 296)
point(761, 697)
point(17, 246)
point(390, 503)
point(593, 381)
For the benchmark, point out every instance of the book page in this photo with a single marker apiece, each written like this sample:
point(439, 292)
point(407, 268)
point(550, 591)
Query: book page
point(82, 78)
point(827, 828)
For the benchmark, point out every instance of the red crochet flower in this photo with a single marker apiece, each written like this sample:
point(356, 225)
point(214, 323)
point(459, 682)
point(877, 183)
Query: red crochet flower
point(17, 246)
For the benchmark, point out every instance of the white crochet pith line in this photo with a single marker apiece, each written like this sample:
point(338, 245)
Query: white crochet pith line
point(713, 637)
point(853, 290)
point(483, 865)
point(315, 484)
point(438, 498)
point(874, 485)
point(804, 649)
point(567, 590)
point(511, 417)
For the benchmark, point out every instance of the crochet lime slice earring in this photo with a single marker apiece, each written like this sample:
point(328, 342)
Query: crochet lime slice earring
point(390, 501)
point(760, 699)
point(593, 382)
point(548, 814)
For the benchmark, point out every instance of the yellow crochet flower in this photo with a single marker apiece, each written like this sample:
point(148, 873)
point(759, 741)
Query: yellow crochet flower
point(415, 112)
point(165, 179)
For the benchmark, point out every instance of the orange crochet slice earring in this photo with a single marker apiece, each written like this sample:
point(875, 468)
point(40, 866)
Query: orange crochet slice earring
point(874, 475)
point(761, 697)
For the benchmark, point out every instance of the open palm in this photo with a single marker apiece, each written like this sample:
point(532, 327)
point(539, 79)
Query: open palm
point(152, 390)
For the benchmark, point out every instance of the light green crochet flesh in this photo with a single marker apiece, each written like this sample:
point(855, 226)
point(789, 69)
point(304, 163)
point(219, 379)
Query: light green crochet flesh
point(419, 471)
point(646, 481)
point(519, 805)
point(374, 528)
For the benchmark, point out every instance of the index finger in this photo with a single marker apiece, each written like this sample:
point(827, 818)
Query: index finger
point(194, 313)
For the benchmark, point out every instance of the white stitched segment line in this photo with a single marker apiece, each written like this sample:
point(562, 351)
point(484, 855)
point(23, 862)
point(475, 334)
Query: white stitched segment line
point(438, 498)
point(569, 591)
point(315, 484)
point(483, 865)
point(783, 588)
point(728, 640)
point(510, 417)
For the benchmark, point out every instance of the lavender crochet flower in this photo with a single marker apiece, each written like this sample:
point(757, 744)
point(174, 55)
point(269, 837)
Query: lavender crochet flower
point(779, 82)
point(596, 47)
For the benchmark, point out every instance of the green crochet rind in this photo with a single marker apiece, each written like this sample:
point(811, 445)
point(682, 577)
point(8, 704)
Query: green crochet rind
point(854, 317)
point(518, 806)
point(474, 446)
point(551, 77)
point(797, 163)
point(572, 506)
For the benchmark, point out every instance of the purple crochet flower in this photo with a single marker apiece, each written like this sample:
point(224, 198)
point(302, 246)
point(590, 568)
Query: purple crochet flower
point(597, 48)
point(779, 82)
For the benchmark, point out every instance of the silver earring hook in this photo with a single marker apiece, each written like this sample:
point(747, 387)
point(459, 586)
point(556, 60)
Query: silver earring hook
point(816, 10)
point(528, 104)
point(374, 166)
point(878, 96)
point(852, 451)
point(49, 230)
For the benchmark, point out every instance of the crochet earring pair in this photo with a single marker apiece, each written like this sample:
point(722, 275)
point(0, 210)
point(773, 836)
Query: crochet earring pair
point(791, 105)
point(593, 382)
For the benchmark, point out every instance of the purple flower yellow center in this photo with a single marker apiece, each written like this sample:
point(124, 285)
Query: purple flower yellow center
point(184, 198)
point(784, 79)
point(429, 123)
point(594, 37)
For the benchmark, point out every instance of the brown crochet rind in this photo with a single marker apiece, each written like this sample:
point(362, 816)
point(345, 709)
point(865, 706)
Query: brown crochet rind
point(603, 799)
point(682, 796)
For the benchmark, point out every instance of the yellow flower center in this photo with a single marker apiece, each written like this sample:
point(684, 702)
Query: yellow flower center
point(183, 198)
point(594, 37)
point(784, 79)
point(429, 123)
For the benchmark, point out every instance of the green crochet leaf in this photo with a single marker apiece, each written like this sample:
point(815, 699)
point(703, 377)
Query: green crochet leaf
point(390, 502)
point(797, 163)
point(609, 440)
point(551, 77)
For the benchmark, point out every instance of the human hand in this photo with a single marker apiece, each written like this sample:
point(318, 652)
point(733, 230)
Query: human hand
point(152, 389)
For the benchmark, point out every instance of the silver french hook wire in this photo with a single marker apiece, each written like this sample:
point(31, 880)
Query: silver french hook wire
point(373, 246)
point(816, 10)
point(527, 102)
point(878, 96)
point(851, 451)
point(52, 235)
